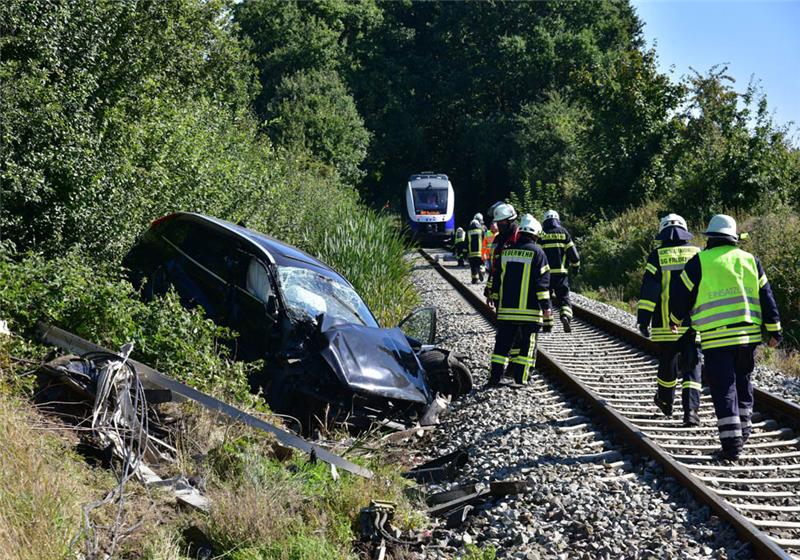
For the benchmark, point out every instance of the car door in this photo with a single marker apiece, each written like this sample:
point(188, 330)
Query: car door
point(254, 308)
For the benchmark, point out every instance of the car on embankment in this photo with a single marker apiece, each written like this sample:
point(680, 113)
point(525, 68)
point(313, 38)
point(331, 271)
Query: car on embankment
point(325, 355)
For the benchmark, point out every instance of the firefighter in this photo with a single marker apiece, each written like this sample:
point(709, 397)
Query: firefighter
point(486, 250)
point(560, 249)
point(460, 246)
point(725, 293)
point(520, 290)
point(474, 243)
point(678, 351)
point(504, 217)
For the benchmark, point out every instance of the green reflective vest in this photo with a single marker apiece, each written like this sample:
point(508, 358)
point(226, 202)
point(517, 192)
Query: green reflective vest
point(475, 237)
point(728, 290)
point(460, 236)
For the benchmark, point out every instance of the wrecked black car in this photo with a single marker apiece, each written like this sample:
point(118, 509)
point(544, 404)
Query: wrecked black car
point(326, 358)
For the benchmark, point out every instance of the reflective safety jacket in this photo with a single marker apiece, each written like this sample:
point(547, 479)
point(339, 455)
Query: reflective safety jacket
point(559, 247)
point(486, 250)
point(663, 269)
point(501, 241)
point(725, 292)
point(460, 236)
point(521, 283)
point(475, 239)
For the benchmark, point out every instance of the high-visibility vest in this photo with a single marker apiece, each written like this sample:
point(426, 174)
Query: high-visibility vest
point(460, 236)
point(486, 250)
point(728, 295)
point(475, 237)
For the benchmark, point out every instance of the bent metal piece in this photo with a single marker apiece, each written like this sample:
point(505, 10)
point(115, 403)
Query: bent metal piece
point(75, 344)
point(763, 545)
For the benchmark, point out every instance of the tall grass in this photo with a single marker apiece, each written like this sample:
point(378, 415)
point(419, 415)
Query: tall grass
point(369, 251)
point(42, 489)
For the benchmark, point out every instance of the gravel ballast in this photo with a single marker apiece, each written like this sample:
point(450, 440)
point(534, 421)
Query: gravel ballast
point(590, 497)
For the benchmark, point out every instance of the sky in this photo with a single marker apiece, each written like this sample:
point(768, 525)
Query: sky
point(754, 38)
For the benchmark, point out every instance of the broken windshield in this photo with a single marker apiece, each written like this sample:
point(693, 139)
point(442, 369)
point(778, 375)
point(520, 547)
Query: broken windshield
point(310, 293)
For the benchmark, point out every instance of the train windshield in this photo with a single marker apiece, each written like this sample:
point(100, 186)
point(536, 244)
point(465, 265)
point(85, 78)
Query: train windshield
point(430, 200)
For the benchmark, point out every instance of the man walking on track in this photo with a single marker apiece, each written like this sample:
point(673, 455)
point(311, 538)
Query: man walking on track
point(725, 292)
point(520, 290)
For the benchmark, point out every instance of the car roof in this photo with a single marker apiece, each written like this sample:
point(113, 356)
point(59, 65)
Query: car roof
point(278, 252)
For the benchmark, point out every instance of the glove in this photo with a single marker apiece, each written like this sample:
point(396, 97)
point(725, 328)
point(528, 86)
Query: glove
point(576, 270)
point(547, 328)
point(645, 330)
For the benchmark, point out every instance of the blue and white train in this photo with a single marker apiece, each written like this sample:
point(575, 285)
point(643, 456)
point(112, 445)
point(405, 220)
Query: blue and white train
point(430, 201)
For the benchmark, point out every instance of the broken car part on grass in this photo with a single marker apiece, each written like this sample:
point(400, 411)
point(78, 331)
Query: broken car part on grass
point(152, 379)
point(326, 357)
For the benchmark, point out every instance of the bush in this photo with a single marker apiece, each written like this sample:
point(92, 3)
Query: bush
point(775, 240)
point(614, 252)
point(95, 303)
point(370, 252)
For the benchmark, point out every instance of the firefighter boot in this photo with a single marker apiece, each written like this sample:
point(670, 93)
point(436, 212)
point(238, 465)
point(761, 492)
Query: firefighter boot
point(691, 419)
point(565, 321)
point(663, 405)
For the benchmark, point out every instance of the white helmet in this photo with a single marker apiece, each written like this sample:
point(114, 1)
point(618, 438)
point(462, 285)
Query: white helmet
point(460, 230)
point(492, 207)
point(722, 225)
point(529, 224)
point(672, 220)
point(504, 212)
point(551, 215)
point(478, 217)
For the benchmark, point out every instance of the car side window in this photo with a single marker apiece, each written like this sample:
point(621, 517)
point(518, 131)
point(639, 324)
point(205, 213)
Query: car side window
point(258, 284)
point(211, 249)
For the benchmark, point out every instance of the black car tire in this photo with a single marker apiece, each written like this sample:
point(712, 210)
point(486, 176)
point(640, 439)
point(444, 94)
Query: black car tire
point(446, 374)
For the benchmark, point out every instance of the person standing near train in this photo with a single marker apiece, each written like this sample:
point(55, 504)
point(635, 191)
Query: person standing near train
point(474, 245)
point(561, 252)
point(726, 294)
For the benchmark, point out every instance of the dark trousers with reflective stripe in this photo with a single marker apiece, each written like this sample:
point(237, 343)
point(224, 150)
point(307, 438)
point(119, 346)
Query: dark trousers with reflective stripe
point(475, 268)
point(559, 287)
point(523, 337)
point(728, 372)
point(672, 363)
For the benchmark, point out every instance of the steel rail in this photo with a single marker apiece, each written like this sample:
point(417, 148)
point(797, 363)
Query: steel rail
point(763, 545)
point(764, 401)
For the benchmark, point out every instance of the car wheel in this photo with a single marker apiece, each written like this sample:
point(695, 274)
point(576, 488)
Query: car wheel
point(446, 374)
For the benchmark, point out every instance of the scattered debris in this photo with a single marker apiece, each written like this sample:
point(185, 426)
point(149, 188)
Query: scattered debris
point(456, 504)
point(180, 392)
point(439, 469)
point(376, 528)
point(4, 330)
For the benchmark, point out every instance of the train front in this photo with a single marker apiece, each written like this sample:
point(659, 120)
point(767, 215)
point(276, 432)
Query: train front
point(429, 202)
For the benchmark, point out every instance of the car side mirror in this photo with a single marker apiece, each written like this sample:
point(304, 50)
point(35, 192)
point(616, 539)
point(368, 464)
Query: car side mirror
point(420, 325)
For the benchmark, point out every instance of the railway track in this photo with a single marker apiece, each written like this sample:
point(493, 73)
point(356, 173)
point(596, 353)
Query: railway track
point(613, 369)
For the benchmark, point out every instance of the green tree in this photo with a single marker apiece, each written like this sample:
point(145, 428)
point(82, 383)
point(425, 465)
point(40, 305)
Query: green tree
point(729, 154)
point(313, 109)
